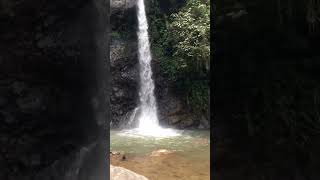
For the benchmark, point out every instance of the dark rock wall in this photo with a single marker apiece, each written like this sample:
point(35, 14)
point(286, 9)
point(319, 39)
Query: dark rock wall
point(53, 61)
point(123, 62)
point(265, 77)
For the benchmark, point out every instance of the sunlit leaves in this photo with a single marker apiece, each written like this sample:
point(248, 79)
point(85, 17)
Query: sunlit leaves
point(190, 33)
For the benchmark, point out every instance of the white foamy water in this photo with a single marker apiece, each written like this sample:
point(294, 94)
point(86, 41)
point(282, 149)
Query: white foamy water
point(148, 124)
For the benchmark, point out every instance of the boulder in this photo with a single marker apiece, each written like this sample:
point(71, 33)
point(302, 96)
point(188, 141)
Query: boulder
point(187, 122)
point(120, 173)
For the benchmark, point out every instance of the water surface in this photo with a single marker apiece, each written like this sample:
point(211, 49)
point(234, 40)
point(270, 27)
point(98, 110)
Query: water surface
point(189, 157)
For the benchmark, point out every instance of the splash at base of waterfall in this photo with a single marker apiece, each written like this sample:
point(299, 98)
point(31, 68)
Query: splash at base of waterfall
point(152, 131)
point(148, 126)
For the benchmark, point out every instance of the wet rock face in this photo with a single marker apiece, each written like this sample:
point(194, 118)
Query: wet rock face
point(121, 5)
point(123, 17)
point(125, 79)
point(124, 65)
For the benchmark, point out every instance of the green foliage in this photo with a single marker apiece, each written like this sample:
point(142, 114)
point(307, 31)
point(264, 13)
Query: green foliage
point(190, 34)
point(181, 41)
point(115, 34)
point(198, 96)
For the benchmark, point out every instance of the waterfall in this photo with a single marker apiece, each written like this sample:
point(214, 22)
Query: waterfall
point(148, 124)
point(148, 118)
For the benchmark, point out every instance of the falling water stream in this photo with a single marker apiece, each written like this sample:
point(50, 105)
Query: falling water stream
point(148, 124)
point(148, 117)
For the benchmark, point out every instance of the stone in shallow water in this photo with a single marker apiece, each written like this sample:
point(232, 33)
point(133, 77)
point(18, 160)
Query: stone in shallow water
point(120, 173)
point(161, 152)
point(116, 152)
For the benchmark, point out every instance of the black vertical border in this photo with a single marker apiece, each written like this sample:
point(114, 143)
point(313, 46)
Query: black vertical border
point(212, 84)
